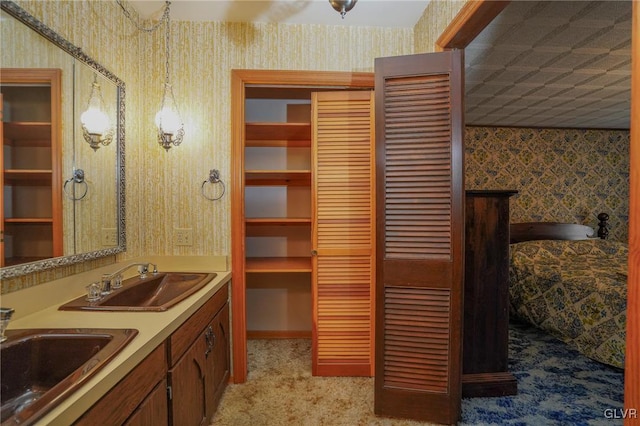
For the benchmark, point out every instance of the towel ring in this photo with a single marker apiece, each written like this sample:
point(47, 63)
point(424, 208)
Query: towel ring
point(214, 177)
point(77, 177)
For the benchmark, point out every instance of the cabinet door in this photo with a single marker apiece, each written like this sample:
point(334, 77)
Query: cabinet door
point(188, 382)
point(220, 356)
point(153, 410)
point(343, 233)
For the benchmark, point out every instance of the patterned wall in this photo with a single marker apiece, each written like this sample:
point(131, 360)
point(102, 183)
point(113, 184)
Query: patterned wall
point(163, 188)
point(433, 22)
point(564, 175)
point(166, 185)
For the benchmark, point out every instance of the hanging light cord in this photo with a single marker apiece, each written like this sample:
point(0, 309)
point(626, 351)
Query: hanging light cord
point(166, 43)
point(165, 17)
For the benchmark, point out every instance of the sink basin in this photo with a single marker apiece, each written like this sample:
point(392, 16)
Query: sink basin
point(41, 367)
point(156, 292)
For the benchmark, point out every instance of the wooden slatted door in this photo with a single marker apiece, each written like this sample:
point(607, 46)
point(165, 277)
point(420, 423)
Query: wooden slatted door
point(419, 250)
point(343, 233)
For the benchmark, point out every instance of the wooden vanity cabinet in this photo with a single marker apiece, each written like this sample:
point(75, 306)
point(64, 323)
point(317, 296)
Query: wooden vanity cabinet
point(138, 399)
point(199, 363)
point(181, 382)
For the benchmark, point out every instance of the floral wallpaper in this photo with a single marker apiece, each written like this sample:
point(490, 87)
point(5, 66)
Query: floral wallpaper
point(562, 175)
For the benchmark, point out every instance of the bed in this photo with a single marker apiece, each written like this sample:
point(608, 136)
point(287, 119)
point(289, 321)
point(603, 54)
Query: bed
point(571, 284)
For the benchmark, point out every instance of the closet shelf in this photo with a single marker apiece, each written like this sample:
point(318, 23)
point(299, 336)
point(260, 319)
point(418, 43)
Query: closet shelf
point(277, 132)
point(278, 264)
point(28, 176)
point(277, 177)
point(28, 220)
point(27, 133)
point(277, 221)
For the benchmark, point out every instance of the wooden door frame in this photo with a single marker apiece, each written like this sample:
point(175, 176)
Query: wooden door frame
point(468, 23)
point(239, 80)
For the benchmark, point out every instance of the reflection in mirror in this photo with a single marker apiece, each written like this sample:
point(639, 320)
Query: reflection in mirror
point(92, 225)
point(93, 201)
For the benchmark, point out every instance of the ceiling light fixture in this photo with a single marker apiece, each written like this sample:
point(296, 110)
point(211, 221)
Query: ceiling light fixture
point(343, 6)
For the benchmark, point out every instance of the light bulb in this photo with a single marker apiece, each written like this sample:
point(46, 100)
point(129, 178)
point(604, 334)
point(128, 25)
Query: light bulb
point(169, 120)
point(95, 120)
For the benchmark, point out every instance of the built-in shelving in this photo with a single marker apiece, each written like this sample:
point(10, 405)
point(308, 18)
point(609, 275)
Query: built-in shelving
point(277, 177)
point(295, 133)
point(31, 199)
point(277, 185)
point(277, 264)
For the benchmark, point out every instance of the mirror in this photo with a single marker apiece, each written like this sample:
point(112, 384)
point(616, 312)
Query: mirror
point(92, 208)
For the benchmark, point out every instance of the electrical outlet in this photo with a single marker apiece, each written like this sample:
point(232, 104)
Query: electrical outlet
point(109, 237)
point(183, 236)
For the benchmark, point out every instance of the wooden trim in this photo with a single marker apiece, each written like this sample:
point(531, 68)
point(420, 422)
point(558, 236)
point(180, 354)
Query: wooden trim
point(632, 357)
point(474, 16)
point(270, 78)
point(238, 287)
point(56, 164)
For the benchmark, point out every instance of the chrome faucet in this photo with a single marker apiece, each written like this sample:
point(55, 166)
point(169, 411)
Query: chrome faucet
point(5, 317)
point(113, 281)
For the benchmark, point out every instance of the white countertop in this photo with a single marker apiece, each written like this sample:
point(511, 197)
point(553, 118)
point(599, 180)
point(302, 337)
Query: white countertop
point(153, 327)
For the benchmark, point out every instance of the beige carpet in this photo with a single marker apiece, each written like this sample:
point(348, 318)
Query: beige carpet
point(280, 390)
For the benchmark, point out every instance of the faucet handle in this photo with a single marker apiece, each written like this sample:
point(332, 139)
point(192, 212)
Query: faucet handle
point(117, 282)
point(6, 313)
point(5, 317)
point(143, 269)
point(106, 284)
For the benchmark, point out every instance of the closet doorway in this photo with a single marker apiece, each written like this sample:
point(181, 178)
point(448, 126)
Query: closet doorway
point(274, 254)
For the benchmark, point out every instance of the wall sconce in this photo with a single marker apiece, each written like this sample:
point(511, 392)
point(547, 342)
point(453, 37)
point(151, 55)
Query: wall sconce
point(96, 127)
point(343, 6)
point(168, 120)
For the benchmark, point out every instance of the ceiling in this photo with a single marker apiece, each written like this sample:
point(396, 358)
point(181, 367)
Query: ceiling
point(552, 64)
point(374, 13)
point(560, 64)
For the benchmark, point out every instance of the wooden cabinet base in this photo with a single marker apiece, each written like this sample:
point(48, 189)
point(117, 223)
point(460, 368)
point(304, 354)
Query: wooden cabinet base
point(488, 385)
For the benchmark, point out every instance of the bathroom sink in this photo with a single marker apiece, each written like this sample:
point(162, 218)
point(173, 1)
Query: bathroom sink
point(156, 292)
point(41, 367)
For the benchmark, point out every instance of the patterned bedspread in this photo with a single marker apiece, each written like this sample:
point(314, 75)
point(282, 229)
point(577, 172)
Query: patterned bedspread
point(575, 290)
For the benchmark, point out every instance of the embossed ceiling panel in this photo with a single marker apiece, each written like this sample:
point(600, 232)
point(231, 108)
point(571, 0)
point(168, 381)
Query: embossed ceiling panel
point(552, 64)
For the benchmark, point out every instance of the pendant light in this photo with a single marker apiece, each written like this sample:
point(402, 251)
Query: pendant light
point(96, 127)
point(168, 120)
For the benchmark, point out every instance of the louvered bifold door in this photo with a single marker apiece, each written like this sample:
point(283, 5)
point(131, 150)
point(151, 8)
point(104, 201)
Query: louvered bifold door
point(343, 233)
point(419, 249)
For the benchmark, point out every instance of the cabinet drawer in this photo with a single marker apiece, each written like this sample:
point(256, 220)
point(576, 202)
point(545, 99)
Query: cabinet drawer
point(121, 401)
point(182, 338)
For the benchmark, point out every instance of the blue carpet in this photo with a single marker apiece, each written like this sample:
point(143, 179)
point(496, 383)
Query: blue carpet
point(556, 386)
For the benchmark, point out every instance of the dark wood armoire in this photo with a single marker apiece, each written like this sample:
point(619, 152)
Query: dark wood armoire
point(486, 295)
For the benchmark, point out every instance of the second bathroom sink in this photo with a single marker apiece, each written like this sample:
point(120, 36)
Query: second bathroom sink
point(156, 292)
